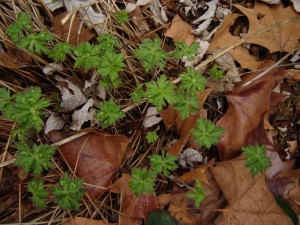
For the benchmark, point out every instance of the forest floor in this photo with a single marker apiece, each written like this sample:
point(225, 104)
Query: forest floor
point(149, 112)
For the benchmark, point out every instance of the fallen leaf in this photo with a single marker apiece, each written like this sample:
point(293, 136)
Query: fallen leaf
point(71, 95)
point(95, 157)
point(282, 38)
point(249, 198)
point(158, 13)
point(85, 114)
point(180, 31)
point(189, 157)
point(85, 221)
point(52, 6)
point(293, 74)
point(296, 5)
point(93, 19)
point(137, 17)
point(75, 33)
point(151, 117)
point(248, 105)
point(52, 67)
point(133, 209)
point(54, 122)
point(9, 61)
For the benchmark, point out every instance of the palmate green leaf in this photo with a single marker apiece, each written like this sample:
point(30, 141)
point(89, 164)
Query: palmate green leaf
point(39, 194)
point(206, 133)
point(37, 42)
point(16, 29)
point(192, 81)
point(186, 103)
point(163, 163)
point(256, 161)
point(87, 55)
point(111, 63)
point(160, 92)
point(60, 51)
point(216, 73)
point(142, 181)
point(109, 81)
point(122, 16)
point(36, 158)
point(151, 53)
point(29, 107)
point(197, 193)
point(6, 105)
point(151, 137)
point(138, 94)
point(109, 112)
point(108, 42)
point(182, 49)
point(68, 193)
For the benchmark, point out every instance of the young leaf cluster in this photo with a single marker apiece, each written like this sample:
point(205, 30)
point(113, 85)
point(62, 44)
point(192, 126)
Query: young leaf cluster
point(256, 161)
point(216, 73)
point(143, 179)
point(67, 194)
point(36, 158)
point(122, 16)
point(192, 81)
point(60, 51)
point(26, 108)
point(109, 112)
point(182, 49)
point(206, 133)
point(197, 193)
point(151, 137)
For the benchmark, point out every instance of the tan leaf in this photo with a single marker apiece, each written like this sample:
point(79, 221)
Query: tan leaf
point(151, 117)
point(180, 31)
point(54, 122)
point(95, 157)
point(75, 31)
point(248, 105)
point(85, 221)
point(249, 198)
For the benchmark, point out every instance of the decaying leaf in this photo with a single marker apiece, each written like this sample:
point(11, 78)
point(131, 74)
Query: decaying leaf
point(86, 113)
point(133, 209)
point(95, 157)
point(137, 17)
point(189, 157)
point(75, 33)
point(54, 122)
point(248, 105)
point(249, 198)
point(151, 117)
point(71, 95)
point(85, 221)
point(180, 31)
point(52, 67)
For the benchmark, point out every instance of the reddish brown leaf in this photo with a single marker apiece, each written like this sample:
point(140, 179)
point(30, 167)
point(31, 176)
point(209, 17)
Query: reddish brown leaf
point(96, 158)
point(249, 198)
point(76, 32)
point(248, 105)
point(133, 208)
point(85, 221)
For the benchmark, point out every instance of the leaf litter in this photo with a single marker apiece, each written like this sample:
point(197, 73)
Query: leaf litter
point(104, 161)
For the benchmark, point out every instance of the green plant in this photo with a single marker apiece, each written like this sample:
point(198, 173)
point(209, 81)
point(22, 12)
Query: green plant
point(36, 158)
point(60, 51)
point(122, 16)
point(206, 133)
point(111, 64)
point(36, 42)
point(26, 108)
point(163, 163)
point(142, 181)
point(151, 137)
point(192, 81)
point(87, 56)
point(108, 42)
point(151, 53)
point(109, 112)
point(186, 103)
point(182, 49)
point(39, 194)
point(216, 73)
point(197, 193)
point(68, 193)
point(138, 94)
point(16, 29)
point(160, 92)
point(256, 161)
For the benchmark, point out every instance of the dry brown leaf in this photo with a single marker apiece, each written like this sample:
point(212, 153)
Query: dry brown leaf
point(95, 157)
point(85, 221)
point(9, 61)
point(294, 74)
point(180, 31)
point(249, 198)
point(282, 38)
point(248, 105)
point(137, 18)
point(76, 32)
point(133, 209)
